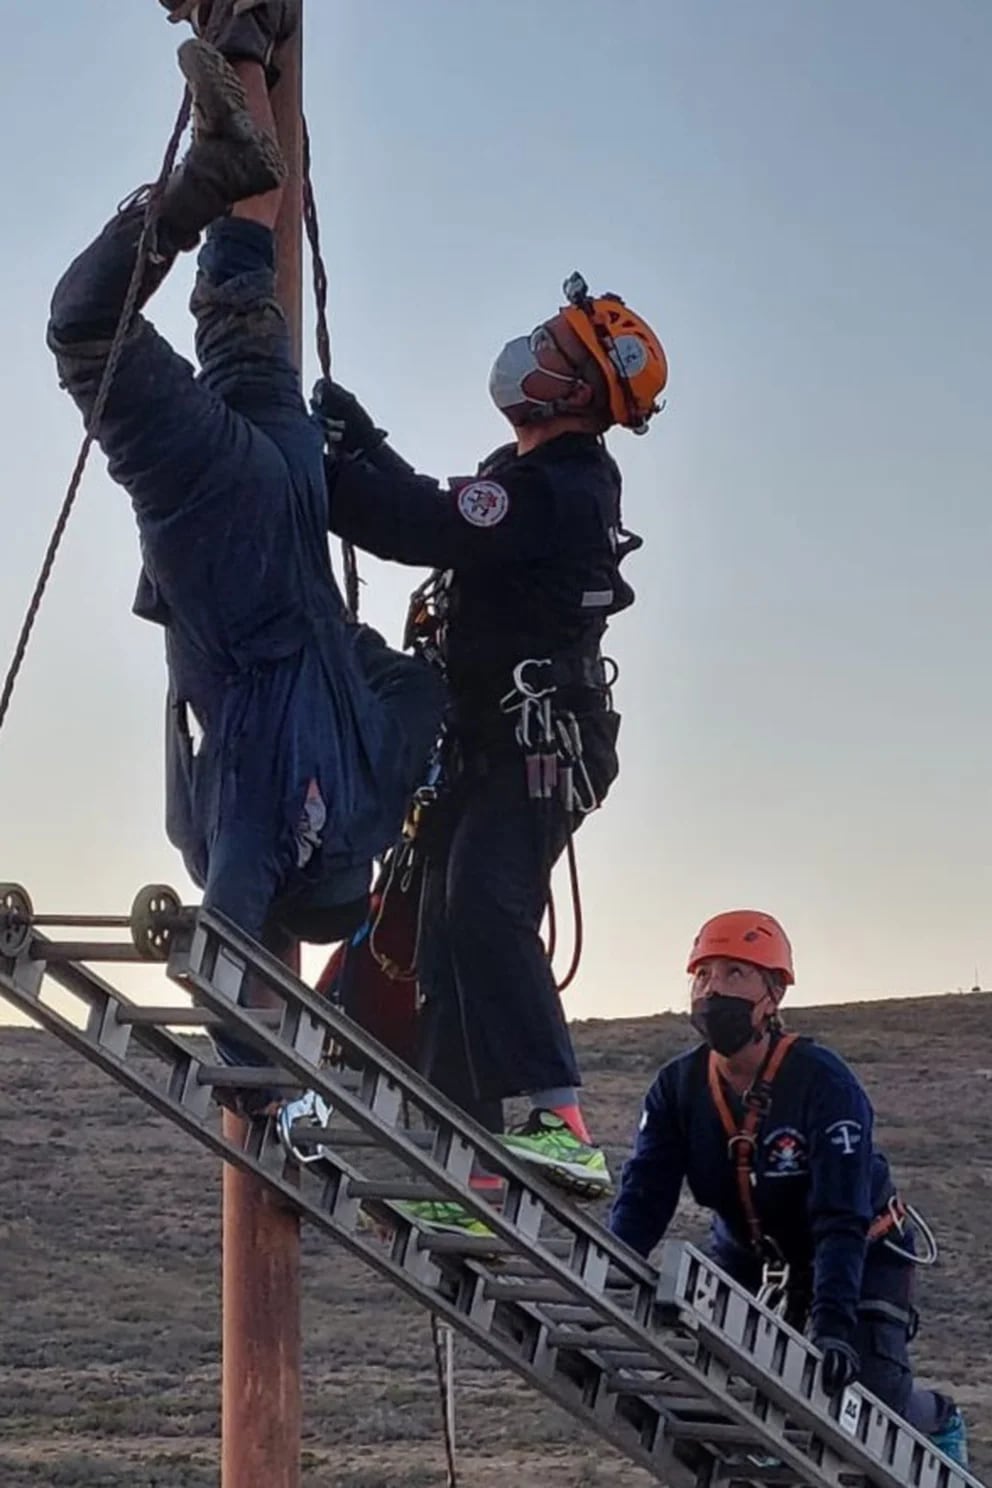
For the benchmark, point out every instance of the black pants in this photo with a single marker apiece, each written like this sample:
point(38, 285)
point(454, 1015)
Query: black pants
point(885, 1326)
point(493, 1022)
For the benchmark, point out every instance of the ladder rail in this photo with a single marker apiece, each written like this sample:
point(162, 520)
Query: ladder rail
point(584, 1319)
point(507, 1330)
point(916, 1456)
point(781, 1365)
point(192, 966)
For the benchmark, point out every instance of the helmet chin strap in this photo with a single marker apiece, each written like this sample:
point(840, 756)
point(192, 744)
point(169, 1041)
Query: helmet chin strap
point(541, 410)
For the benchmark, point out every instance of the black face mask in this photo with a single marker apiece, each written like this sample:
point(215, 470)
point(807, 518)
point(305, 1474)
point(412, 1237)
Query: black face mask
point(725, 1024)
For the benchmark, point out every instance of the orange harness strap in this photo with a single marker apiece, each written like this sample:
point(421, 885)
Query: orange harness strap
point(742, 1140)
point(892, 1217)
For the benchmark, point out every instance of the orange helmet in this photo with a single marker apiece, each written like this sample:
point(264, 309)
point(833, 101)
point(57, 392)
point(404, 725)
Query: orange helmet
point(628, 352)
point(745, 935)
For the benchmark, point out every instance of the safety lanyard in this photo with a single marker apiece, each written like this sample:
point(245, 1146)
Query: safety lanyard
point(742, 1140)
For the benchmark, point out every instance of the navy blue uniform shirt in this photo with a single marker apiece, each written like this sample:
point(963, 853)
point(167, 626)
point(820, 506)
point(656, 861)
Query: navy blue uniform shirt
point(818, 1178)
point(530, 548)
point(303, 770)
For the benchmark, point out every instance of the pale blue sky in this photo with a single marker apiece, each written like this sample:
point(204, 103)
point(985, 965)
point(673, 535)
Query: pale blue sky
point(797, 194)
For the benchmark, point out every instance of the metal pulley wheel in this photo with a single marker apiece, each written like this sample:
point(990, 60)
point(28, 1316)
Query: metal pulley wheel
point(154, 915)
point(16, 917)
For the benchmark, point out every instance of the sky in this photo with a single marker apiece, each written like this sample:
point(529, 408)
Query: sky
point(797, 196)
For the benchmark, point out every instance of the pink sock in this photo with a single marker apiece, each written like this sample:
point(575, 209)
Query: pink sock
point(575, 1121)
point(485, 1182)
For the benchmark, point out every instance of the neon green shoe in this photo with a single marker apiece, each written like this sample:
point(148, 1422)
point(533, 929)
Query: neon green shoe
point(549, 1143)
point(436, 1214)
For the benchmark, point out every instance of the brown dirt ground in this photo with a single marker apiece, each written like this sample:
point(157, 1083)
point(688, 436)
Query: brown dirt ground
point(109, 1310)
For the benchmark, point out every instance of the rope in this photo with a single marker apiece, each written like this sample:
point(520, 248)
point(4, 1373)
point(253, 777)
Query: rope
point(442, 1385)
point(552, 945)
point(99, 405)
point(576, 896)
point(312, 224)
point(573, 875)
point(153, 208)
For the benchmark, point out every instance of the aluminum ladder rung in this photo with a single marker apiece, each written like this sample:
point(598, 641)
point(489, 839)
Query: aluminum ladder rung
point(626, 1381)
point(191, 1017)
point(343, 1137)
point(622, 1360)
point(568, 1312)
point(246, 1077)
point(447, 1243)
point(663, 1349)
point(400, 1189)
point(604, 1339)
point(86, 950)
point(715, 1431)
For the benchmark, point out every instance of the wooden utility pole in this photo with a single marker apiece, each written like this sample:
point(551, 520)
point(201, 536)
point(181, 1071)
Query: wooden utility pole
point(261, 1398)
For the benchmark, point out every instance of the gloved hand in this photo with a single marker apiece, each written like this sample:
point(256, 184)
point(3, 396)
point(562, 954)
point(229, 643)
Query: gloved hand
point(253, 32)
point(347, 426)
point(841, 1364)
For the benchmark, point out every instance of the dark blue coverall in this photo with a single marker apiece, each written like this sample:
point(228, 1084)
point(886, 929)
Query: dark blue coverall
point(528, 554)
point(313, 732)
point(819, 1182)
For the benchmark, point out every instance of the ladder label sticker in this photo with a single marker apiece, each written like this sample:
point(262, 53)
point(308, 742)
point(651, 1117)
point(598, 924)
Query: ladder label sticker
point(850, 1412)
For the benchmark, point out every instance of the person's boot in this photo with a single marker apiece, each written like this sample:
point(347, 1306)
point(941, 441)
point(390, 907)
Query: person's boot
point(230, 158)
point(252, 33)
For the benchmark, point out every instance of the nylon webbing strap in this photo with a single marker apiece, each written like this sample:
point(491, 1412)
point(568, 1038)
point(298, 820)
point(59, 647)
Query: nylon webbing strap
point(742, 1140)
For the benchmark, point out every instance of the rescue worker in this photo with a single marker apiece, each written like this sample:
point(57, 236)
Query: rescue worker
point(773, 1134)
point(293, 736)
point(526, 557)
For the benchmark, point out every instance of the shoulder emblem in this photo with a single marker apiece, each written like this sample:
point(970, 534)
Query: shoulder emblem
point(484, 503)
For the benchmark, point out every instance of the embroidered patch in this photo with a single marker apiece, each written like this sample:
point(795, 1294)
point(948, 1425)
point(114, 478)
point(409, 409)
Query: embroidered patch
point(846, 1135)
point(483, 503)
point(785, 1153)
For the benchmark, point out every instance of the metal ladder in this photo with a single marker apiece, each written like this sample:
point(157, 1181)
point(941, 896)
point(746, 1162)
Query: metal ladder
point(679, 1369)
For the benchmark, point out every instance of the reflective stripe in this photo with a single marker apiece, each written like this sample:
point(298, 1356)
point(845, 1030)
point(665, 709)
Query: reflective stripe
point(594, 599)
point(876, 1307)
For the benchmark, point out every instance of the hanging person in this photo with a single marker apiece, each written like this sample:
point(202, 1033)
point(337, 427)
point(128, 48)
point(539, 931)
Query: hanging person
point(526, 557)
point(293, 736)
point(773, 1134)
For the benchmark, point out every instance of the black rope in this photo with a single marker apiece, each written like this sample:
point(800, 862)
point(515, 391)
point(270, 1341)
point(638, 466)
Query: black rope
point(573, 874)
point(153, 208)
point(312, 225)
point(449, 1444)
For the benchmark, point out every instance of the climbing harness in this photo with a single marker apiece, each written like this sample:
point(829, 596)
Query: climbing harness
point(219, 15)
point(403, 873)
point(424, 632)
point(550, 739)
point(742, 1142)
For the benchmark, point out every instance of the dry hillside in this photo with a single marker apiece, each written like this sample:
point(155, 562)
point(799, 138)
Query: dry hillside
point(109, 1325)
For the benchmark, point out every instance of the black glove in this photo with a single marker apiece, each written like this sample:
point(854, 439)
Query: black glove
point(253, 32)
point(841, 1364)
point(348, 428)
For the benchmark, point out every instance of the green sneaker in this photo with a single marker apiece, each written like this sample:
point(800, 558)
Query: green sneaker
point(436, 1214)
point(549, 1143)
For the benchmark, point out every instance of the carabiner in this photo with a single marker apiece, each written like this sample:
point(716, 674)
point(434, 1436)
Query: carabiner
point(520, 681)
